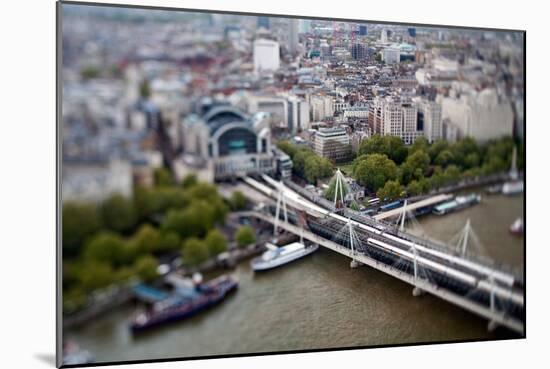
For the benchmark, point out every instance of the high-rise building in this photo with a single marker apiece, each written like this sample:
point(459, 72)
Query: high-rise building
point(293, 36)
point(388, 116)
point(359, 51)
point(429, 120)
point(266, 55)
point(332, 143)
point(385, 35)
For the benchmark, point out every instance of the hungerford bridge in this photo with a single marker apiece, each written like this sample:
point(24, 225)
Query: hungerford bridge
point(473, 284)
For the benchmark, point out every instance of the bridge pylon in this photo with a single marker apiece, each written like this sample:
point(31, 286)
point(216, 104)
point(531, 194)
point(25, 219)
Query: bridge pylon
point(281, 200)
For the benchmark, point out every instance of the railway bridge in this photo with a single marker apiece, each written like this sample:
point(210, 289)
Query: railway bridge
point(476, 285)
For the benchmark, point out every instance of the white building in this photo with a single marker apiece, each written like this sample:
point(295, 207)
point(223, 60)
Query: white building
point(266, 55)
point(332, 143)
point(430, 113)
point(361, 112)
point(391, 55)
point(321, 107)
point(481, 115)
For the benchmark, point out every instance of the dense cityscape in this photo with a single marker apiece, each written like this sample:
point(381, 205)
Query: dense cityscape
point(181, 131)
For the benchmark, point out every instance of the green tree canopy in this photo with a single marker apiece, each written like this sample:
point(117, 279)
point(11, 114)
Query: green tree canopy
point(421, 143)
point(216, 242)
point(163, 177)
point(444, 158)
point(106, 247)
point(418, 162)
point(147, 239)
point(195, 251)
point(372, 171)
point(391, 191)
point(189, 181)
point(245, 236)
point(391, 146)
point(169, 241)
point(146, 268)
point(80, 221)
point(436, 148)
point(237, 200)
point(118, 213)
point(95, 274)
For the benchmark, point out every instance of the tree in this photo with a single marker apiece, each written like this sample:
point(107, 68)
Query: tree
point(80, 221)
point(421, 143)
point(374, 170)
point(189, 181)
point(237, 200)
point(287, 148)
point(245, 236)
point(391, 191)
point(147, 239)
point(419, 162)
point(118, 213)
point(195, 251)
point(169, 241)
point(414, 188)
point(216, 242)
point(463, 148)
point(93, 275)
point(146, 268)
point(312, 168)
point(175, 221)
point(391, 146)
point(452, 173)
point(105, 247)
point(444, 158)
point(163, 177)
point(299, 161)
point(436, 148)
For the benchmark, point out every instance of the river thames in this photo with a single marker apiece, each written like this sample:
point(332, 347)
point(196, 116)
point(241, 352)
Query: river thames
point(319, 302)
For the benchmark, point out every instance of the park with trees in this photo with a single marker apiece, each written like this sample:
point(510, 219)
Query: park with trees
point(121, 239)
point(389, 169)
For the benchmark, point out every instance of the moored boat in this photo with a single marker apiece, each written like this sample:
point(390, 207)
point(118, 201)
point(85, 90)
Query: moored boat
point(180, 306)
point(458, 203)
point(513, 187)
point(276, 256)
point(517, 226)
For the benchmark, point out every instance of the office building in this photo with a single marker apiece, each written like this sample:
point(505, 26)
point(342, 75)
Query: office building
point(332, 143)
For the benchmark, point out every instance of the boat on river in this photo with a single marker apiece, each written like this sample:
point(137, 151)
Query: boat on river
point(517, 227)
point(183, 305)
point(458, 203)
point(276, 256)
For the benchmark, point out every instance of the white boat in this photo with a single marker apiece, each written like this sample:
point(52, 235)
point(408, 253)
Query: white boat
point(517, 226)
point(512, 188)
point(276, 256)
